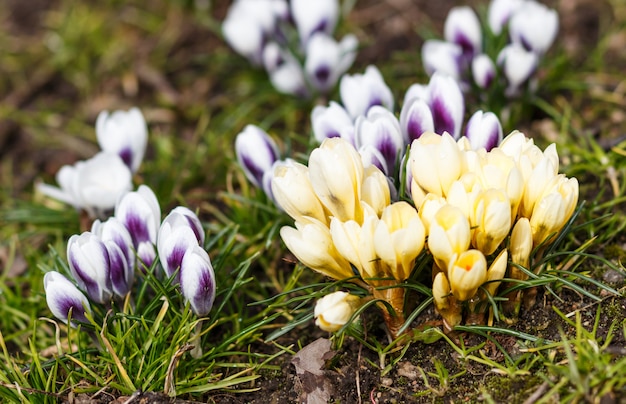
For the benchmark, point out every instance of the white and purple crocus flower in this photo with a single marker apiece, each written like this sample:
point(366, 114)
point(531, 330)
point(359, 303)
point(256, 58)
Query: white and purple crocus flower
point(64, 299)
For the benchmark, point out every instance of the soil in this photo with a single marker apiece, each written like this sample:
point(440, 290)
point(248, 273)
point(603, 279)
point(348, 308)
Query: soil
point(352, 374)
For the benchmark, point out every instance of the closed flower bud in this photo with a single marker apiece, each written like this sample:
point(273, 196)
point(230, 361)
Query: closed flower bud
point(114, 231)
point(360, 92)
point(174, 239)
point(355, 242)
point(329, 121)
point(197, 280)
point(534, 26)
point(285, 71)
point(140, 212)
point(256, 153)
point(445, 302)
point(428, 209)
point(483, 71)
point(399, 239)
point(192, 221)
point(63, 297)
point(371, 156)
point(93, 185)
point(314, 16)
point(375, 190)
point(436, 162)
point(327, 59)
point(447, 104)
point(541, 177)
point(448, 235)
point(521, 243)
point(336, 174)
point(415, 119)
point(443, 57)
point(294, 193)
point(121, 272)
point(484, 130)
point(466, 273)
point(146, 254)
point(463, 28)
point(496, 272)
point(381, 129)
point(500, 12)
point(491, 220)
point(89, 263)
point(334, 310)
point(553, 209)
point(124, 133)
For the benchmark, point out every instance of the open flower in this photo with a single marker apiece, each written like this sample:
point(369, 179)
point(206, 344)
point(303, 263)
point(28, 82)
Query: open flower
point(93, 185)
point(467, 272)
point(334, 310)
point(63, 297)
point(124, 133)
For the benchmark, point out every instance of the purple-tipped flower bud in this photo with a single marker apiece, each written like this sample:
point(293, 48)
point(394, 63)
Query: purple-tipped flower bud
point(442, 56)
point(140, 213)
point(381, 129)
point(114, 231)
point(63, 296)
point(462, 27)
point(122, 275)
point(285, 70)
point(176, 236)
point(483, 71)
point(415, 119)
point(500, 12)
point(534, 26)
point(327, 59)
point(484, 130)
point(371, 156)
point(446, 104)
point(197, 280)
point(360, 92)
point(89, 263)
point(256, 153)
point(314, 16)
point(329, 121)
point(192, 220)
point(146, 254)
point(124, 133)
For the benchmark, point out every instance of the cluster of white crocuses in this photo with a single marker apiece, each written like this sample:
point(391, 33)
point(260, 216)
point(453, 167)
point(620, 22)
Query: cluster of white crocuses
point(470, 209)
point(366, 120)
point(469, 57)
point(293, 41)
point(95, 185)
point(103, 261)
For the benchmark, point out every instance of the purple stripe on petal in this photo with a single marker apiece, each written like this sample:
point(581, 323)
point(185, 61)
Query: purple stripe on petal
point(175, 258)
point(67, 303)
point(443, 120)
point(414, 129)
point(255, 170)
point(126, 155)
point(322, 74)
point(203, 300)
point(388, 149)
point(137, 228)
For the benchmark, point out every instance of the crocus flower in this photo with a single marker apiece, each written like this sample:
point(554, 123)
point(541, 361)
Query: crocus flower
point(496, 272)
point(329, 121)
point(192, 221)
point(553, 209)
point(294, 193)
point(311, 243)
point(371, 156)
point(483, 130)
point(113, 230)
point(436, 162)
point(63, 296)
point(381, 129)
point(90, 265)
point(446, 104)
point(327, 59)
point(256, 153)
point(93, 185)
point(334, 310)
point(518, 65)
point(314, 16)
point(336, 174)
point(444, 57)
point(124, 133)
point(462, 27)
point(491, 220)
point(197, 280)
point(415, 119)
point(285, 71)
point(448, 235)
point(140, 212)
point(176, 236)
point(499, 13)
point(534, 26)
point(466, 273)
point(122, 273)
point(483, 71)
point(360, 92)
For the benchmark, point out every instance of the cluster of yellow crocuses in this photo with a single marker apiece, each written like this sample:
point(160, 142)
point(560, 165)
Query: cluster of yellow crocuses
point(468, 207)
